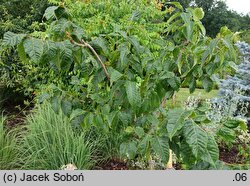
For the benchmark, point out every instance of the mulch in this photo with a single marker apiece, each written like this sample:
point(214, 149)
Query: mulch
point(114, 164)
point(177, 166)
point(230, 156)
point(121, 165)
point(15, 115)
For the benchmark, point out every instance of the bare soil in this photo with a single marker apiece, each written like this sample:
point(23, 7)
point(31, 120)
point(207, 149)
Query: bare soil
point(114, 164)
point(230, 156)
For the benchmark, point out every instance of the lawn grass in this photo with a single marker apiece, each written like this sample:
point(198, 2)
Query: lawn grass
point(183, 95)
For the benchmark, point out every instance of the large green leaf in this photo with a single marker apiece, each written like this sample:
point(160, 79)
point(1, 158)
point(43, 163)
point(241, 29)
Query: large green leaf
point(42, 97)
point(189, 26)
point(133, 94)
point(210, 68)
point(207, 83)
point(21, 52)
point(232, 123)
point(62, 12)
point(152, 102)
point(160, 146)
point(192, 85)
point(12, 39)
point(177, 14)
point(34, 48)
point(190, 31)
point(174, 83)
point(152, 118)
point(100, 43)
point(66, 55)
point(66, 106)
point(88, 120)
point(143, 144)
point(134, 41)
point(212, 46)
point(198, 13)
point(114, 74)
point(174, 26)
point(176, 118)
point(124, 51)
point(196, 138)
point(202, 28)
point(55, 103)
point(50, 12)
point(211, 154)
point(75, 113)
point(139, 131)
point(129, 149)
point(226, 134)
point(125, 118)
point(167, 75)
point(186, 153)
point(78, 32)
point(230, 46)
point(50, 49)
point(62, 26)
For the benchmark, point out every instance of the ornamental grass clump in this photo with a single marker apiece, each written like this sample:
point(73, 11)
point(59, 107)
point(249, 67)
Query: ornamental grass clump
point(8, 147)
point(50, 142)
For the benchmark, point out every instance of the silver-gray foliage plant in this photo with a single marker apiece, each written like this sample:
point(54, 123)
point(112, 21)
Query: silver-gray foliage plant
point(236, 89)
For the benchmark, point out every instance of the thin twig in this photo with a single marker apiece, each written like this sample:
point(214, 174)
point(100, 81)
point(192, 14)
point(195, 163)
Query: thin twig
point(84, 44)
point(97, 56)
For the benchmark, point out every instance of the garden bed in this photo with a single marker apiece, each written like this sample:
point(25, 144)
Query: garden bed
point(89, 88)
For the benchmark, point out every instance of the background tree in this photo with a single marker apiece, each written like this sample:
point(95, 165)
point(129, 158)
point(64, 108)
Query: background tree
point(217, 15)
point(205, 5)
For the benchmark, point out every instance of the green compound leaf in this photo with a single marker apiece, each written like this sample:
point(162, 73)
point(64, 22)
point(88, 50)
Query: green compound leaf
point(176, 118)
point(161, 147)
point(34, 48)
point(66, 107)
point(133, 94)
point(195, 137)
point(11, 39)
point(114, 74)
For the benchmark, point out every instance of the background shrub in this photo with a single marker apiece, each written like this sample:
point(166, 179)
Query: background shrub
point(20, 17)
point(237, 87)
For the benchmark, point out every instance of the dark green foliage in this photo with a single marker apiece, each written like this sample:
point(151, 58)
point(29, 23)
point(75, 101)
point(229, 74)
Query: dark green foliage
point(245, 36)
point(18, 16)
point(218, 15)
